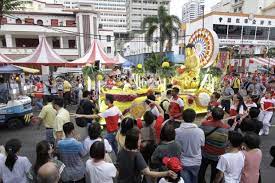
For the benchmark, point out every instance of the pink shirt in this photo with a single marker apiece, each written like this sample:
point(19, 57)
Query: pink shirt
point(252, 164)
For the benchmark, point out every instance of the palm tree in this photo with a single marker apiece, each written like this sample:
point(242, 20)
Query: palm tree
point(10, 5)
point(168, 26)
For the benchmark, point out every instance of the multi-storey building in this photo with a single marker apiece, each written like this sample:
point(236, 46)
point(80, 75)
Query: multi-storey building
point(192, 10)
point(257, 7)
point(68, 32)
point(137, 10)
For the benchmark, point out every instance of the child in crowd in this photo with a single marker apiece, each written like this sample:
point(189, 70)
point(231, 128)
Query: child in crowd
point(231, 164)
point(97, 169)
point(267, 106)
point(173, 164)
point(253, 158)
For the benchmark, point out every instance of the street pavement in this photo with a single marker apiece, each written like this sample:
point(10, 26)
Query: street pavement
point(31, 135)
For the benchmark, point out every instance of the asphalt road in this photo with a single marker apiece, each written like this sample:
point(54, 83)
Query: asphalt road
point(30, 136)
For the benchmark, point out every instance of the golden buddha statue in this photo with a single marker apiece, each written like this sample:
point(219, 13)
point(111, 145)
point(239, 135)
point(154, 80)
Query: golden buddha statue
point(189, 78)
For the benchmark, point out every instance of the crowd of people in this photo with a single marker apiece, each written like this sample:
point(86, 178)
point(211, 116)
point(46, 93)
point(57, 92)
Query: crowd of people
point(167, 146)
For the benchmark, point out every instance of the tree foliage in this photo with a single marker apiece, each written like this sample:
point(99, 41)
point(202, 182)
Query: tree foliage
point(167, 25)
point(153, 63)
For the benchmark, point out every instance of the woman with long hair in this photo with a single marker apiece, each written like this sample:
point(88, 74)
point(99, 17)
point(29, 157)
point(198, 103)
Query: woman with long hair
point(237, 109)
point(14, 168)
point(44, 154)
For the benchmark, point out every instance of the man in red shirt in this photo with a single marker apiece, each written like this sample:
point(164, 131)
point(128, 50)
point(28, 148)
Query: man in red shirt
point(176, 105)
point(111, 116)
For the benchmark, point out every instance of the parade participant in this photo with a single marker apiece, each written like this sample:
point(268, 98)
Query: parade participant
point(47, 117)
point(251, 122)
point(238, 107)
point(216, 134)
point(191, 139)
point(231, 164)
point(131, 164)
point(165, 103)
point(236, 83)
point(111, 116)
point(48, 173)
point(97, 169)
point(14, 168)
point(71, 152)
point(110, 83)
point(167, 147)
point(44, 154)
point(125, 125)
point(62, 117)
point(176, 105)
point(153, 108)
point(253, 158)
point(249, 103)
point(67, 93)
point(39, 94)
point(267, 106)
point(226, 96)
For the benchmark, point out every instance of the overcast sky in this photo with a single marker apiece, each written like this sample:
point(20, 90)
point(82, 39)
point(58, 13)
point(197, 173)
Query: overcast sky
point(176, 6)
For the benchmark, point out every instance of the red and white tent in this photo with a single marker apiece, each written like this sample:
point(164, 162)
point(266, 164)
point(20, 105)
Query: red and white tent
point(42, 55)
point(4, 59)
point(264, 61)
point(95, 52)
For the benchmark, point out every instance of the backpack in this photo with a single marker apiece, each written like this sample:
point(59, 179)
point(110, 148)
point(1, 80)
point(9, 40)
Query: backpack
point(81, 122)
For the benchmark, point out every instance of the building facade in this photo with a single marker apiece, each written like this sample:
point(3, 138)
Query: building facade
point(192, 10)
point(255, 7)
point(68, 32)
point(137, 10)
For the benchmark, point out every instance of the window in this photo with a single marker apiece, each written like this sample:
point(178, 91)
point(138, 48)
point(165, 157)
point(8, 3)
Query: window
point(246, 21)
point(108, 38)
point(236, 1)
point(262, 33)
point(71, 43)
point(272, 34)
point(235, 10)
point(70, 23)
point(100, 26)
point(262, 22)
point(234, 32)
point(240, 8)
point(269, 22)
point(109, 49)
point(221, 30)
point(249, 32)
point(18, 21)
point(237, 20)
point(40, 22)
point(54, 22)
point(26, 42)
point(56, 43)
point(29, 21)
point(99, 37)
point(254, 22)
point(229, 20)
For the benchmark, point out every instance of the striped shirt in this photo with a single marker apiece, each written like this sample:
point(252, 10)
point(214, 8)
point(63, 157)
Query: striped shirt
point(216, 142)
point(71, 151)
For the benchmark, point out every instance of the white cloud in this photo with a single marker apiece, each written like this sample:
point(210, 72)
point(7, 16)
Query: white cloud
point(176, 6)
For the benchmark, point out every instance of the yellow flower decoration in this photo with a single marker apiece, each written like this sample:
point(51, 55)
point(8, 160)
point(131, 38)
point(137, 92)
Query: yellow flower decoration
point(99, 77)
point(165, 65)
point(139, 66)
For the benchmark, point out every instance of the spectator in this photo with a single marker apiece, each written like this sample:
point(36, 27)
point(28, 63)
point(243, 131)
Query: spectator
point(67, 93)
point(153, 108)
point(173, 164)
point(44, 154)
point(256, 89)
point(62, 117)
point(230, 164)
point(97, 169)
point(14, 168)
point(48, 173)
point(214, 101)
point(131, 163)
point(251, 123)
point(164, 104)
point(249, 102)
point(70, 152)
point(168, 147)
point(125, 125)
point(94, 132)
point(215, 142)
point(176, 105)
point(191, 139)
point(253, 158)
point(238, 107)
point(47, 117)
point(226, 96)
point(267, 106)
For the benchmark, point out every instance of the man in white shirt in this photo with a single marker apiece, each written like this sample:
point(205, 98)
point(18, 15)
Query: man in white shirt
point(191, 138)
